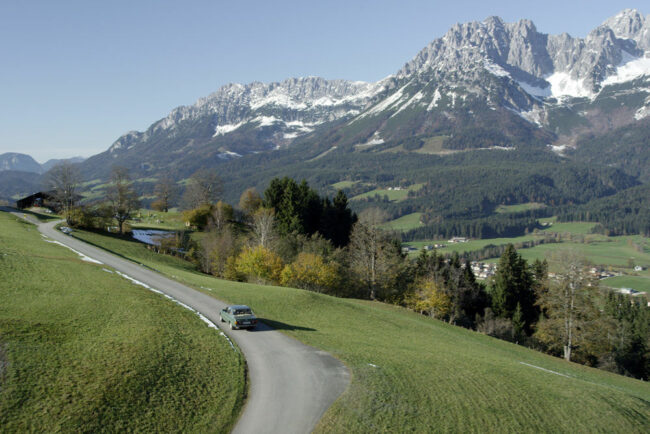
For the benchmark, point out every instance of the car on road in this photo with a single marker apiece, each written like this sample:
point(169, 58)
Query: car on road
point(238, 316)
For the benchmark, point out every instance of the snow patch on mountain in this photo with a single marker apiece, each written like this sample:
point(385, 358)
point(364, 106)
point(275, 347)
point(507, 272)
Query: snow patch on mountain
point(542, 92)
point(630, 68)
point(227, 155)
point(563, 85)
point(386, 103)
point(225, 129)
point(642, 113)
point(434, 100)
point(495, 69)
point(417, 97)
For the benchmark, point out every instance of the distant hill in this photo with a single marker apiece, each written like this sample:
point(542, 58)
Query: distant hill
point(20, 162)
point(53, 162)
point(15, 184)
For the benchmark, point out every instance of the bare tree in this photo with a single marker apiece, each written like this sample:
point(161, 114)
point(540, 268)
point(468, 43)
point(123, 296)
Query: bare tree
point(166, 191)
point(63, 179)
point(121, 196)
point(220, 216)
point(204, 188)
point(568, 305)
point(370, 249)
point(264, 226)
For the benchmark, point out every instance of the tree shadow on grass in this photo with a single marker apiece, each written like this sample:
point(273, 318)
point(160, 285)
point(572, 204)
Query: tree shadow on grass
point(266, 325)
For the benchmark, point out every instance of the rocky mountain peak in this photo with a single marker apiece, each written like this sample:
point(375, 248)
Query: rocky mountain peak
point(630, 24)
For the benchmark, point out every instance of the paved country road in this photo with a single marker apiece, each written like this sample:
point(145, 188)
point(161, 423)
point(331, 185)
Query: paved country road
point(291, 384)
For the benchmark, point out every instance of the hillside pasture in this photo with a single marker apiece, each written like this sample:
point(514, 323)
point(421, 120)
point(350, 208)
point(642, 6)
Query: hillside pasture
point(404, 223)
point(411, 373)
point(393, 195)
point(85, 350)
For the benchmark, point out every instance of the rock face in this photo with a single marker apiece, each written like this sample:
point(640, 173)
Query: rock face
point(19, 162)
point(506, 81)
point(285, 110)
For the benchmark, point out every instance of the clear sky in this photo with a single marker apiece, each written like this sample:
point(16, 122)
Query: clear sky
point(76, 74)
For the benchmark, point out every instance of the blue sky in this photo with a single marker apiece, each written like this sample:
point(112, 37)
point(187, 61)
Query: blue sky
point(75, 75)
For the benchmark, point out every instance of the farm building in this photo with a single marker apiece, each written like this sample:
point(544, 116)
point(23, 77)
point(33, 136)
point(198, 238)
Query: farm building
point(40, 199)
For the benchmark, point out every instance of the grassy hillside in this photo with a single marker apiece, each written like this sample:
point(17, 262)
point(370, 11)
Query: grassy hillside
point(404, 223)
point(393, 195)
point(84, 350)
point(411, 373)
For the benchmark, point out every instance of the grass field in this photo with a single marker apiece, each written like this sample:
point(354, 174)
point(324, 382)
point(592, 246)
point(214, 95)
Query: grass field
point(84, 350)
point(506, 209)
point(404, 223)
point(343, 184)
point(640, 283)
point(414, 374)
point(393, 195)
point(568, 227)
point(171, 220)
point(614, 251)
point(471, 245)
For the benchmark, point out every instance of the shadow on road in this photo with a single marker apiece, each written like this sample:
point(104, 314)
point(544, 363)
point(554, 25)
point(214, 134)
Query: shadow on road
point(267, 325)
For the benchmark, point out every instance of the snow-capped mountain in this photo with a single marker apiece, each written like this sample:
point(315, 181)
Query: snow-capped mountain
point(530, 73)
point(279, 112)
point(483, 84)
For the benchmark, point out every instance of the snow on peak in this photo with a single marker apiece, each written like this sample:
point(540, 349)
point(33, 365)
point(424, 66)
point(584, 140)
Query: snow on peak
point(563, 84)
point(630, 68)
point(495, 69)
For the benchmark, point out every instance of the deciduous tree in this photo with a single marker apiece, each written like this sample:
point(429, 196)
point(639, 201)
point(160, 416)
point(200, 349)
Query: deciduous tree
point(63, 180)
point(571, 316)
point(310, 271)
point(166, 191)
point(121, 196)
point(373, 257)
point(250, 201)
point(204, 188)
point(259, 265)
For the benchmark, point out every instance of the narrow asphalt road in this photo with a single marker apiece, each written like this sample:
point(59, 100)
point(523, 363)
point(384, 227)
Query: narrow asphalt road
point(291, 384)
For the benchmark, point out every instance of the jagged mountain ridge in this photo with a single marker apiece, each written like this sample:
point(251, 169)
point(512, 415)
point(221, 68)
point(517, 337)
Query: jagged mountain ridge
point(478, 75)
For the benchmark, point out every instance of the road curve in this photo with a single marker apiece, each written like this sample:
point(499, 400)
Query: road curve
point(291, 384)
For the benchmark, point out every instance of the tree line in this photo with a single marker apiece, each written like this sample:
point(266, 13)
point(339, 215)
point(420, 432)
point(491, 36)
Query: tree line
point(292, 236)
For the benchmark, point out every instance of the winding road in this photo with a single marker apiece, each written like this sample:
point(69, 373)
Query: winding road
point(291, 384)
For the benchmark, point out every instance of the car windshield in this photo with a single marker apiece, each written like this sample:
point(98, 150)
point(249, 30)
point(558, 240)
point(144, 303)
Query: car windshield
point(242, 312)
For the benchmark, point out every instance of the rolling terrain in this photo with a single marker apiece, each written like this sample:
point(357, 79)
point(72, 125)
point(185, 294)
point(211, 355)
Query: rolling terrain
point(83, 349)
point(439, 378)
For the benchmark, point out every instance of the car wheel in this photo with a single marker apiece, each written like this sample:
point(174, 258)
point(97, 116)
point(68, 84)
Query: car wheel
point(221, 318)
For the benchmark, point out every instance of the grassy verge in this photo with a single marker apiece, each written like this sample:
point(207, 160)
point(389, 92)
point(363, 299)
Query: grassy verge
point(85, 350)
point(414, 374)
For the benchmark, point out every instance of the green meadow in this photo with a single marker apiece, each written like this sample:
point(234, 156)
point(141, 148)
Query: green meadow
point(393, 195)
point(411, 373)
point(85, 350)
point(404, 223)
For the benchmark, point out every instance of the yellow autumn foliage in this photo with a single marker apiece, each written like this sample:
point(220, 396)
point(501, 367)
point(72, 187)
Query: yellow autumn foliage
point(259, 264)
point(310, 271)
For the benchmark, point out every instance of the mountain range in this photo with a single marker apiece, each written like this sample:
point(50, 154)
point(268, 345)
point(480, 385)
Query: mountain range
point(26, 163)
point(482, 94)
point(506, 82)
